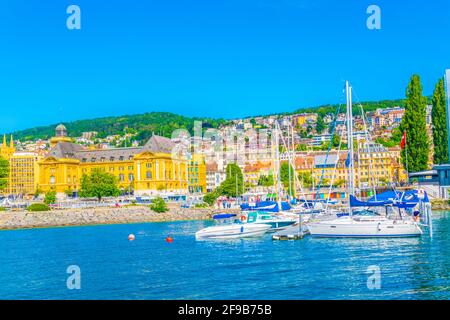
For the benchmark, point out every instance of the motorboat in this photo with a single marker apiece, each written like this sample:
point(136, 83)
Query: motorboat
point(228, 227)
point(276, 221)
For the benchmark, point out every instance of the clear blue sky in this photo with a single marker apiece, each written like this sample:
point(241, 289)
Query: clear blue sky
point(217, 58)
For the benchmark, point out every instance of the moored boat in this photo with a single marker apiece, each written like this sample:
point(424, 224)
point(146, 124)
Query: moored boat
point(230, 228)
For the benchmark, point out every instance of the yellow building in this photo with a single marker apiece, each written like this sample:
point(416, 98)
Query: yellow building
point(24, 173)
point(23, 169)
point(197, 174)
point(374, 166)
point(145, 170)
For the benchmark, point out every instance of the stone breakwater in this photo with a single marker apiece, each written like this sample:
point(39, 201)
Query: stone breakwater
point(94, 216)
point(440, 205)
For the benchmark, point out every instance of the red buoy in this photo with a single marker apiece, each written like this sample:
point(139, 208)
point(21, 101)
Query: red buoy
point(169, 239)
point(131, 237)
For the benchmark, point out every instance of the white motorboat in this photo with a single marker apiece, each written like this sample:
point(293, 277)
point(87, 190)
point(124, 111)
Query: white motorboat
point(230, 228)
point(277, 221)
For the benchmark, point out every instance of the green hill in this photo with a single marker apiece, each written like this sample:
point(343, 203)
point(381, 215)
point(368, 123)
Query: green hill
point(161, 123)
point(164, 123)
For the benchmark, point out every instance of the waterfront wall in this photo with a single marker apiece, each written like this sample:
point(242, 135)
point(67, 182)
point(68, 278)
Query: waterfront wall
point(93, 216)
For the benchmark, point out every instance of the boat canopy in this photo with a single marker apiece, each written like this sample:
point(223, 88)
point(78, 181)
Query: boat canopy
point(224, 216)
point(269, 206)
point(406, 199)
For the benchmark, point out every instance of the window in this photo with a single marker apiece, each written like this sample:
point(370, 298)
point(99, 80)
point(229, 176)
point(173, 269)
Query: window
point(52, 179)
point(111, 159)
point(130, 177)
point(148, 175)
point(121, 158)
point(93, 159)
point(121, 177)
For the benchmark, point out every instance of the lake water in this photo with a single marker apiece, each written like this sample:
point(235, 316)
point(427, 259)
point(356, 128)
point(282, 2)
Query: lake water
point(33, 264)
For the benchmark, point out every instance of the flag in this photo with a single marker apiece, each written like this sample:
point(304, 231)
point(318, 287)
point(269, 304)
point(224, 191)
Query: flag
point(347, 161)
point(403, 142)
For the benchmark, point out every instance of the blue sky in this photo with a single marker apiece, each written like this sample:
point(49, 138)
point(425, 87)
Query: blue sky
point(217, 58)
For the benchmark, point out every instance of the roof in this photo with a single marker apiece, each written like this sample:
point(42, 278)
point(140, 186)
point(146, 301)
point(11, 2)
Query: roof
point(423, 173)
point(115, 153)
point(71, 150)
point(319, 160)
point(65, 150)
point(159, 144)
point(61, 127)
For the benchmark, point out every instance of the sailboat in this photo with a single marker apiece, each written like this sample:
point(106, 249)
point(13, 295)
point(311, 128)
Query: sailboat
point(375, 224)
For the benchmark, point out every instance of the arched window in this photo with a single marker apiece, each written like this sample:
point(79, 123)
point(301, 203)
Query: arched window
point(52, 179)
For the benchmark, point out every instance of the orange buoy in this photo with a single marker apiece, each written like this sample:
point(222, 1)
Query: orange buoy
point(169, 239)
point(131, 237)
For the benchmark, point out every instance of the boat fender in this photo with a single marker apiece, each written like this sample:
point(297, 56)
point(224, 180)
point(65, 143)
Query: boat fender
point(242, 229)
point(243, 218)
point(378, 227)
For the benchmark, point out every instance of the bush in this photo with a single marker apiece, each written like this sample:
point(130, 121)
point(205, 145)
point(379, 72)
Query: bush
point(50, 197)
point(211, 198)
point(158, 205)
point(2, 209)
point(202, 205)
point(38, 207)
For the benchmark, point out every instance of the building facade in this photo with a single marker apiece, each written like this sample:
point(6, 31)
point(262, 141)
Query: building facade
point(146, 170)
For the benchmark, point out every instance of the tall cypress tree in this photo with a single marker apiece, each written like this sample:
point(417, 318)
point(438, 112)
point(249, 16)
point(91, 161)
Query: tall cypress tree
point(439, 124)
point(415, 155)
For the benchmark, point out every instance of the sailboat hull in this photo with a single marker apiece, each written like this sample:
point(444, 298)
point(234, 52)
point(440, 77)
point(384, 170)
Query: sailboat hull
point(349, 228)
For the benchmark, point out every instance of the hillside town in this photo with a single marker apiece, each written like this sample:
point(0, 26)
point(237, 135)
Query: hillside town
point(58, 164)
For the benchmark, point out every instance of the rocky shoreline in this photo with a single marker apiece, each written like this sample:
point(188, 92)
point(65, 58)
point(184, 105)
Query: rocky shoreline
point(10, 220)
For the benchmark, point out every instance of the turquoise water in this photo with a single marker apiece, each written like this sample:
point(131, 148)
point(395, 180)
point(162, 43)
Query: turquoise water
point(34, 262)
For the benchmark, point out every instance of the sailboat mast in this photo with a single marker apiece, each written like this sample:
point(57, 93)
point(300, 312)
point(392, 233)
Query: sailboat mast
point(351, 187)
point(277, 155)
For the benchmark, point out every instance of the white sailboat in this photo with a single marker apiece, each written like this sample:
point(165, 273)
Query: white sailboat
point(365, 226)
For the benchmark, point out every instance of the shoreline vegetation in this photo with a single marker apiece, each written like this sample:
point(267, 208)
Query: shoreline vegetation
point(11, 220)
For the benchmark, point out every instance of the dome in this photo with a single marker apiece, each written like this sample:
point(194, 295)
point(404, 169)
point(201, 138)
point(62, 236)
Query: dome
point(61, 131)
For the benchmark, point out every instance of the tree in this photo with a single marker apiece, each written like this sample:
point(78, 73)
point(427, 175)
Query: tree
point(320, 125)
point(415, 154)
point(99, 184)
point(50, 197)
point(4, 173)
point(306, 179)
point(438, 116)
point(158, 205)
point(284, 176)
point(234, 183)
point(266, 181)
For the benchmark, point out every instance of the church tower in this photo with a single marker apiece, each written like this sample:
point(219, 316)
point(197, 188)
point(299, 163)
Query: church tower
point(6, 151)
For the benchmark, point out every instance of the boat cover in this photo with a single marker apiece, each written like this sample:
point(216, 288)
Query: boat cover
point(406, 199)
